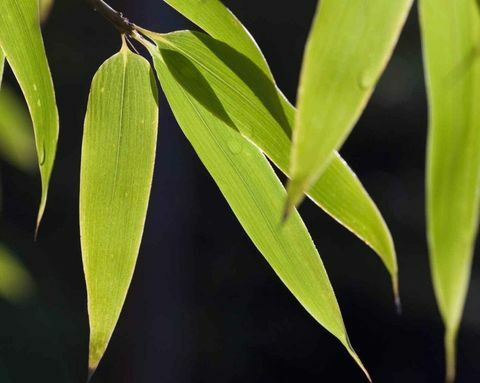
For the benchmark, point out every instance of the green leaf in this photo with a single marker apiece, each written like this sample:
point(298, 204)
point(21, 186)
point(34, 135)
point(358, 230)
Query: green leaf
point(16, 139)
point(450, 31)
point(16, 284)
point(338, 191)
point(254, 193)
point(45, 9)
point(348, 48)
point(118, 156)
point(21, 41)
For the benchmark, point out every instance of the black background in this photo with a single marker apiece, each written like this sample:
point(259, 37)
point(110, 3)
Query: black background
point(204, 305)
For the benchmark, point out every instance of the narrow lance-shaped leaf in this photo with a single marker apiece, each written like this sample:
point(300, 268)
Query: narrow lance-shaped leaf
point(338, 191)
point(2, 65)
point(21, 41)
point(118, 156)
point(347, 50)
point(255, 195)
point(16, 138)
point(451, 38)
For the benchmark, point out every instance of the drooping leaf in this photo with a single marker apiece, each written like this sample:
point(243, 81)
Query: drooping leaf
point(451, 31)
point(16, 283)
point(338, 191)
point(118, 156)
point(16, 139)
point(347, 50)
point(21, 41)
point(254, 193)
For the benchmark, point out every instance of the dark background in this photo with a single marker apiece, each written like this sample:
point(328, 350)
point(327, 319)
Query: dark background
point(204, 305)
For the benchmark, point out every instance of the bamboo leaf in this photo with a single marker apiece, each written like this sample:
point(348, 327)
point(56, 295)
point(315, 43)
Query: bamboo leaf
point(21, 41)
point(347, 50)
point(45, 9)
point(255, 195)
point(450, 31)
point(338, 191)
point(2, 65)
point(16, 140)
point(118, 156)
point(16, 283)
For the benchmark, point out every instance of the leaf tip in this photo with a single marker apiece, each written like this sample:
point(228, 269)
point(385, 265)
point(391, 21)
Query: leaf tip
point(295, 197)
point(450, 355)
point(91, 372)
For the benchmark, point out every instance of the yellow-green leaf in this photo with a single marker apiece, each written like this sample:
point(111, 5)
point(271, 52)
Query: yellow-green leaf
point(2, 65)
point(16, 139)
point(338, 191)
point(255, 195)
point(451, 31)
point(347, 50)
point(118, 156)
point(21, 41)
point(16, 283)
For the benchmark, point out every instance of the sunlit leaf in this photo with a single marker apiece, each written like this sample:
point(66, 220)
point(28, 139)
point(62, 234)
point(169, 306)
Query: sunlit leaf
point(2, 65)
point(451, 32)
point(21, 41)
point(16, 139)
point(254, 193)
point(16, 284)
point(347, 50)
point(338, 191)
point(118, 156)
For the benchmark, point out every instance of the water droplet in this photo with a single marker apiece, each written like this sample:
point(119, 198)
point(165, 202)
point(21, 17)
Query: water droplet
point(366, 80)
point(42, 157)
point(235, 146)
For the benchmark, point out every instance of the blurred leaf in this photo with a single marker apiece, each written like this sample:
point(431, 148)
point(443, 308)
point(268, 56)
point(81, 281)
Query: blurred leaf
point(17, 144)
point(21, 41)
point(45, 9)
point(451, 31)
point(16, 284)
point(338, 191)
point(348, 48)
point(2, 65)
point(247, 100)
point(253, 192)
point(118, 156)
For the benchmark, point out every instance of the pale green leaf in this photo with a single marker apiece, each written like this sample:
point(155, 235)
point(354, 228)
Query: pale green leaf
point(21, 41)
point(118, 156)
point(338, 191)
point(254, 193)
point(16, 283)
point(451, 31)
point(347, 50)
point(17, 144)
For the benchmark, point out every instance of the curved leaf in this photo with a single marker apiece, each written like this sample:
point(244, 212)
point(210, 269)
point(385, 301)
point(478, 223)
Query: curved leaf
point(450, 31)
point(21, 41)
point(347, 50)
point(255, 194)
point(118, 156)
point(338, 191)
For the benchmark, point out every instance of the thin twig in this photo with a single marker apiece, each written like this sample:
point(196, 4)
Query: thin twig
point(116, 18)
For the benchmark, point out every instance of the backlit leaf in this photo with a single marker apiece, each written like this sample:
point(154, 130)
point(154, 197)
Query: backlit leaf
point(451, 31)
point(347, 50)
point(338, 191)
point(21, 41)
point(118, 156)
point(2, 65)
point(253, 191)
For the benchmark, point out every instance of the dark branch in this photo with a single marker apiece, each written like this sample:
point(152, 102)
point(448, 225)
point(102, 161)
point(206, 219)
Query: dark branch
point(116, 18)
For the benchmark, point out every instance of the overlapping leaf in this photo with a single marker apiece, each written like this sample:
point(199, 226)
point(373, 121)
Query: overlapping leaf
point(21, 41)
point(252, 190)
point(451, 38)
point(16, 283)
point(338, 191)
point(347, 50)
point(118, 156)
